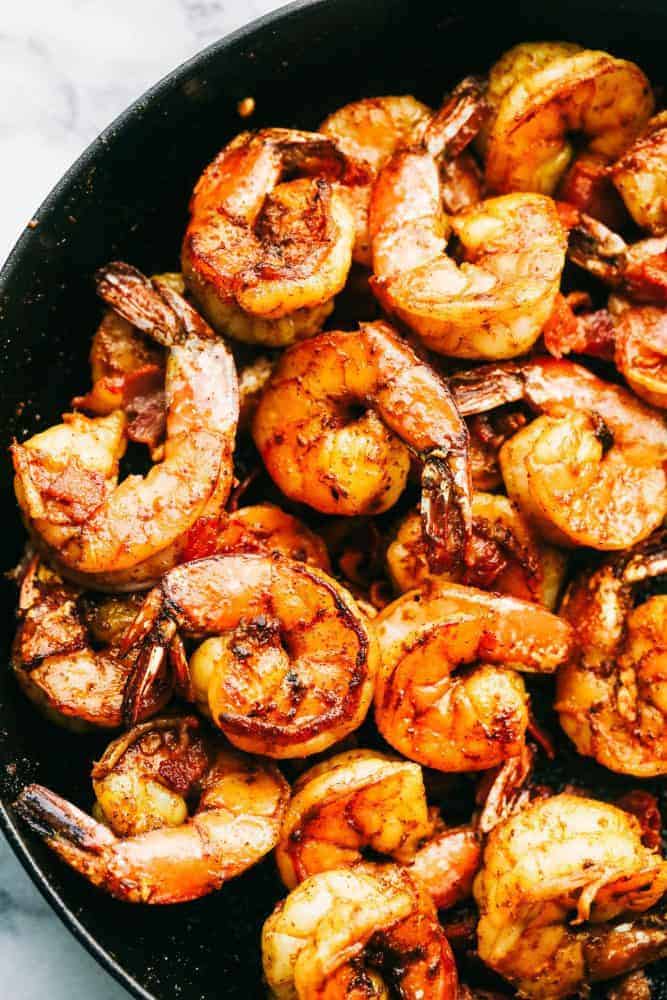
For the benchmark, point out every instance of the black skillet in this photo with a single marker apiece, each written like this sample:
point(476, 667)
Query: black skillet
point(126, 198)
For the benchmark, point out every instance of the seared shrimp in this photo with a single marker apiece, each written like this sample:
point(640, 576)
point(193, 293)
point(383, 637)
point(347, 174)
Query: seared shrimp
point(290, 665)
point(320, 450)
point(507, 555)
point(590, 469)
point(362, 801)
point(495, 303)
point(640, 340)
point(146, 845)
point(266, 528)
point(445, 717)
point(560, 857)
point(264, 259)
point(592, 94)
point(612, 696)
point(371, 931)
point(368, 132)
point(66, 654)
point(641, 177)
point(122, 536)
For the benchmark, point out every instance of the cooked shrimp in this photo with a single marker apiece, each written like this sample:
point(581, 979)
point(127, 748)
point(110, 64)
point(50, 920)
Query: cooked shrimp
point(57, 657)
point(320, 450)
point(495, 303)
point(263, 259)
point(608, 101)
point(488, 432)
point(560, 856)
point(252, 381)
point(266, 528)
point(612, 697)
point(590, 469)
point(371, 931)
point(588, 186)
point(147, 847)
point(641, 177)
point(290, 665)
point(640, 339)
point(638, 270)
point(368, 132)
point(445, 717)
point(507, 555)
point(122, 536)
point(362, 801)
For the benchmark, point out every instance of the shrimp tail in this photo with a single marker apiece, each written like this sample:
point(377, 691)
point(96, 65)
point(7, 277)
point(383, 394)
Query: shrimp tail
point(57, 820)
point(140, 301)
point(458, 121)
point(615, 949)
point(485, 388)
point(148, 672)
point(446, 509)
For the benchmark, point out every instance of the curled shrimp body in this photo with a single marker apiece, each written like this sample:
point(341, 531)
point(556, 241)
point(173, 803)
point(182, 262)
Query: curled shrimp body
point(367, 932)
point(320, 450)
point(289, 667)
point(66, 657)
point(507, 554)
point(448, 694)
point(495, 303)
point(368, 132)
point(265, 259)
point(641, 177)
point(561, 856)
point(114, 536)
point(590, 469)
point(590, 93)
point(362, 801)
point(147, 847)
point(612, 696)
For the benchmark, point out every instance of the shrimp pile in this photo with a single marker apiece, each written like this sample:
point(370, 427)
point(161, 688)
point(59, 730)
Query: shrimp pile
point(350, 605)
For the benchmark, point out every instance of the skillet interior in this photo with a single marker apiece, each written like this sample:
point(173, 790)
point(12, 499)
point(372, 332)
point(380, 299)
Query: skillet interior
point(126, 198)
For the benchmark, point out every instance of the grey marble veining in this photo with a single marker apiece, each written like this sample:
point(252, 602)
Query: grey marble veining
point(67, 68)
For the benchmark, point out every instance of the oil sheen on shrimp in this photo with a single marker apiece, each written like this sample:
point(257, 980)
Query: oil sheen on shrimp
point(560, 893)
point(122, 536)
point(641, 177)
point(339, 418)
point(361, 801)
point(589, 470)
point(612, 696)
point(550, 97)
point(146, 844)
point(289, 663)
point(508, 555)
point(265, 259)
point(448, 694)
point(66, 655)
point(370, 931)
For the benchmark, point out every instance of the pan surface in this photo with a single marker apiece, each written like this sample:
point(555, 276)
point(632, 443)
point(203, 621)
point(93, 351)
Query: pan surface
point(126, 198)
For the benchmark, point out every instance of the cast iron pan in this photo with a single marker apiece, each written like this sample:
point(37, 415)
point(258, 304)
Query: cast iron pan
point(126, 198)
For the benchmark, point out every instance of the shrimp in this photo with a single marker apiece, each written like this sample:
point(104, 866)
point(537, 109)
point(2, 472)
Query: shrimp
point(612, 697)
point(608, 101)
point(289, 667)
point(321, 450)
point(495, 303)
point(361, 801)
point(640, 342)
point(590, 469)
point(450, 719)
point(370, 931)
point(123, 536)
point(368, 132)
point(507, 554)
point(266, 528)
point(263, 259)
point(560, 856)
point(146, 846)
point(640, 176)
point(57, 659)
point(252, 381)
point(588, 186)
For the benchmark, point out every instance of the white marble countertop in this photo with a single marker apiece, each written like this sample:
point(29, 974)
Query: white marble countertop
point(67, 68)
